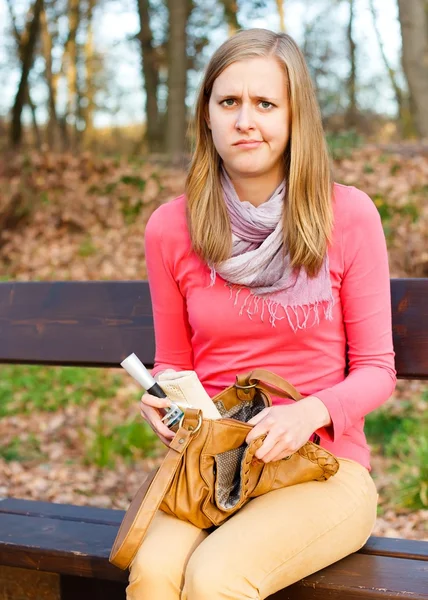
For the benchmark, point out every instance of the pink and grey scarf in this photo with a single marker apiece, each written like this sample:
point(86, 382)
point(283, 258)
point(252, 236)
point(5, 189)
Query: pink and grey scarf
point(258, 266)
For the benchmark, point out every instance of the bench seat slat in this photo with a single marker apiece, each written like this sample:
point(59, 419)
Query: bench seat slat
point(396, 547)
point(66, 512)
point(380, 546)
point(82, 548)
point(361, 576)
point(58, 546)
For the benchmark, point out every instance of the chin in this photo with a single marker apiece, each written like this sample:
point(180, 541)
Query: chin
point(249, 170)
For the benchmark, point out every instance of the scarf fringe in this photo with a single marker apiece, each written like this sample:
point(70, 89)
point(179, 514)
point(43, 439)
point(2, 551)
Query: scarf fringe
point(298, 316)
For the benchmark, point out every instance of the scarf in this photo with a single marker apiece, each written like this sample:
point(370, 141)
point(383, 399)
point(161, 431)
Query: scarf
point(258, 265)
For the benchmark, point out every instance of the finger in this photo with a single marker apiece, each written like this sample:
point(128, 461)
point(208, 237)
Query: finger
point(164, 440)
point(270, 441)
point(149, 400)
point(259, 429)
point(278, 452)
point(151, 415)
point(259, 417)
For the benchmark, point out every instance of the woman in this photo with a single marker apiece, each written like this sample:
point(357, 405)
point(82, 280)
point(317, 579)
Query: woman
point(265, 263)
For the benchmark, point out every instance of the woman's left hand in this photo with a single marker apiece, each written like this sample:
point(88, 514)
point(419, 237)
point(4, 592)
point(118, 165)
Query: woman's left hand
point(288, 427)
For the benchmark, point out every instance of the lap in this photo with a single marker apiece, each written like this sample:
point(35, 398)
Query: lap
point(273, 541)
point(280, 537)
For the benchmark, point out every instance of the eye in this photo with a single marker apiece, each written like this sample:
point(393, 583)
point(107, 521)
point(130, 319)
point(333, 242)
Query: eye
point(228, 102)
point(265, 104)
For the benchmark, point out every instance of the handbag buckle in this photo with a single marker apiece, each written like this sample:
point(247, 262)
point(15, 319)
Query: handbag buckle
point(245, 387)
point(190, 428)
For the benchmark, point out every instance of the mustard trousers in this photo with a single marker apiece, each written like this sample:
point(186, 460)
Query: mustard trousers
point(272, 542)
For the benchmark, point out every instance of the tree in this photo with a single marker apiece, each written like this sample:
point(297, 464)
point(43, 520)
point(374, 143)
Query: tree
point(280, 7)
point(27, 50)
point(47, 45)
point(230, 8)
point(413, 15)
point(179, 11)
point(92, 64)
point(352, 112)
point(150, 71)
point(21, 40)
point(398, 92)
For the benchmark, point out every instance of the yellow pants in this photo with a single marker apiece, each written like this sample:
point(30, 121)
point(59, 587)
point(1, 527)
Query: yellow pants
point(272, 542)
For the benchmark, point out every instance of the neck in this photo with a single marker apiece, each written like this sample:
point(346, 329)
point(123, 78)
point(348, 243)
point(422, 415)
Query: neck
point(256, 189)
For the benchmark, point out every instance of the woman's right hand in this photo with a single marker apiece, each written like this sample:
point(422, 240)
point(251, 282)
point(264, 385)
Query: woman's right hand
point(149, 409)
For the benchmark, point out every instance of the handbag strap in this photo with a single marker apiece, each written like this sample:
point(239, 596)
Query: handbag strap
point(272, 383)
point(149, 497)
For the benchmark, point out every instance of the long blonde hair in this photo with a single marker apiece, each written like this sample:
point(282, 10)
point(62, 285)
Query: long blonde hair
point(308, 214)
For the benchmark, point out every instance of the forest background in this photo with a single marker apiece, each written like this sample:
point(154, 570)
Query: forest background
point(95, 106)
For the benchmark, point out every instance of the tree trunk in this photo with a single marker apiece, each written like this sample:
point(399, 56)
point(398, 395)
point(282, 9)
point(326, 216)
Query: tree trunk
point(398, 92)
point(71, 71)
point(27, 61)
point(21, 41)
point(52, 126)
point(351, 115)
point(87, 112)
point(150, 71)
point(36, 129)
point(177, 75)
point(280, 6)
point(413, 16)
point(231, 15)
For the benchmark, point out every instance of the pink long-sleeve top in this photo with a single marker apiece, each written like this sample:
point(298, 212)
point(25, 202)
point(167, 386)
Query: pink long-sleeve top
point(199, 327)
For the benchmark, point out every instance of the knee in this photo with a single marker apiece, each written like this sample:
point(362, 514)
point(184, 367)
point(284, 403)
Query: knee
point(145, 567)
point(214, 579)
point(152, 577)
point(201, 580)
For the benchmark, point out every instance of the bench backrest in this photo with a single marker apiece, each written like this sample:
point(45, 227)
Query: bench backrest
point(98, 323)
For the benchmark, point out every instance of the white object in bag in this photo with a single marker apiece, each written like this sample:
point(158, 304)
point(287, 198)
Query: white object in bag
point(185, 389)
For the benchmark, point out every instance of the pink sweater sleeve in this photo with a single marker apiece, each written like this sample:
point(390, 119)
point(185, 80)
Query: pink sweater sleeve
point(366, 306)
point(173, 347)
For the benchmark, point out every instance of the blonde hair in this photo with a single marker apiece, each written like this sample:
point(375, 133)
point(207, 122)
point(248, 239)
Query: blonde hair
point(308, 214)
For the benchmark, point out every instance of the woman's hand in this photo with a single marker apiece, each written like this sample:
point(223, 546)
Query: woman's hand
point(288, 427)
point(149, 409)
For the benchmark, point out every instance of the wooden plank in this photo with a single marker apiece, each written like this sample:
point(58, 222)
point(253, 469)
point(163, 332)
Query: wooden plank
point(66, 512)
point(82, 549)
point(396, 547)
point(361, 576)
point(410, 327)
point(57, 546)
point(379, 546)
point(96, 323)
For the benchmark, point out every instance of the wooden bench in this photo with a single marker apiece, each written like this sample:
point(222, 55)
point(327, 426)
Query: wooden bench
point(54, 551)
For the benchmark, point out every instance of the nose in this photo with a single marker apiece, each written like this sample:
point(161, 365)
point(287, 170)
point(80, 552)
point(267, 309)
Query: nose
point(244, 119)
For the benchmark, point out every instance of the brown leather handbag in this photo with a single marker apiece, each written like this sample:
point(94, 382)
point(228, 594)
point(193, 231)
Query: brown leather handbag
point(210, 472)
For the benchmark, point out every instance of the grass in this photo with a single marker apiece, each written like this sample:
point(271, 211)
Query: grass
point(403, 438)
point(25, 389)
point(126, 440)
point(22, 449)
point(34, 391)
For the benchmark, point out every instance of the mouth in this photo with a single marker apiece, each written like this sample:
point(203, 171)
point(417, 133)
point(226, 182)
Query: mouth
point(248, 144)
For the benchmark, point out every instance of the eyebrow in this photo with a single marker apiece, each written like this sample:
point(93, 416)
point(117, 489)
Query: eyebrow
point(235, 96)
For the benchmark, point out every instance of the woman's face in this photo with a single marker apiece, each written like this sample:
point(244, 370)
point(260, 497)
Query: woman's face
point(249, 117)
